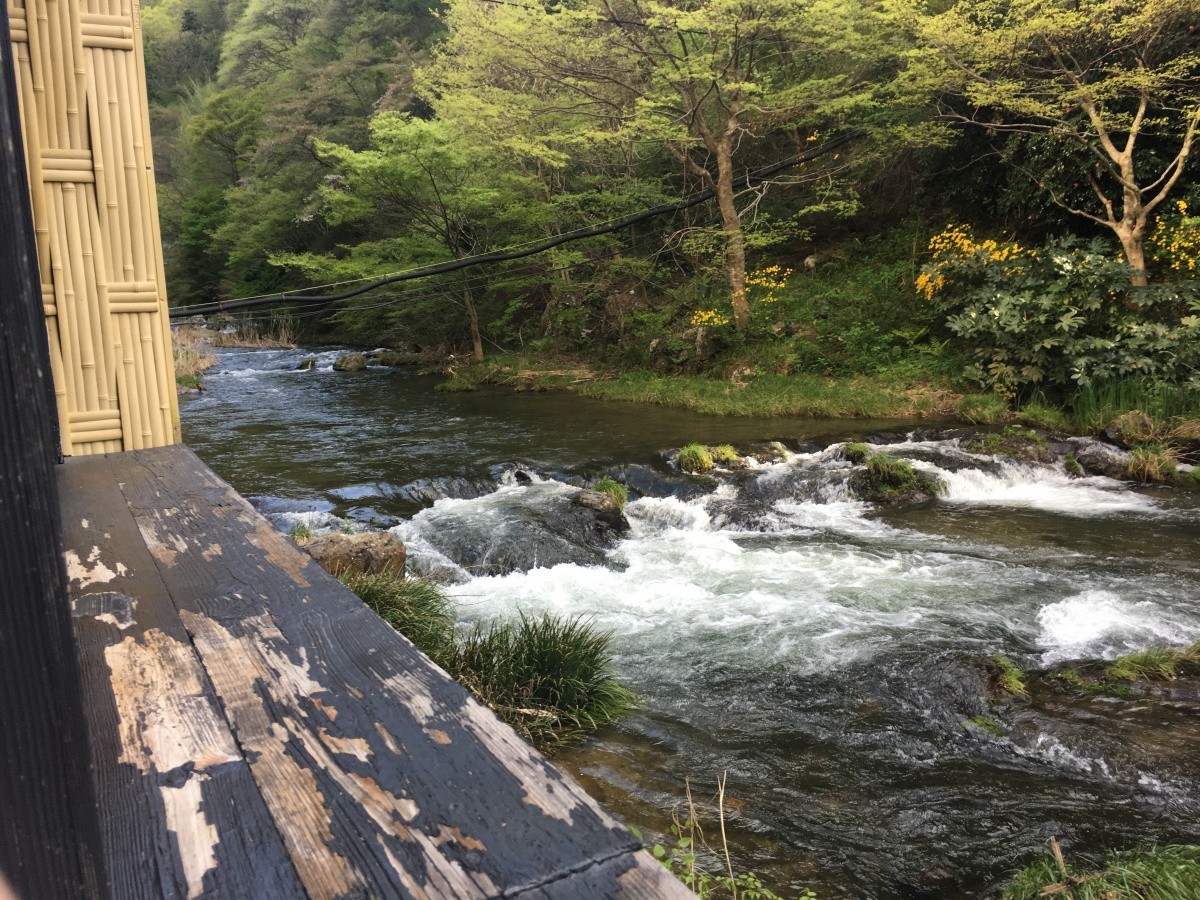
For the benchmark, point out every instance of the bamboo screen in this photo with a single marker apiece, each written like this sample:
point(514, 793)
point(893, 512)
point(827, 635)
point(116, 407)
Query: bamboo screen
point(87, 142)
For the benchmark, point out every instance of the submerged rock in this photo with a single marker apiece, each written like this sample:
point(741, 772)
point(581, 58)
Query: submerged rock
point(307, 364)
point(1096, 458)
point(368, 553)
point(350, 362)
point(604, 505)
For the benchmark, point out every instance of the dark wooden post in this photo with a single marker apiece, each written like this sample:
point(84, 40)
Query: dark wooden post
point(49, 837)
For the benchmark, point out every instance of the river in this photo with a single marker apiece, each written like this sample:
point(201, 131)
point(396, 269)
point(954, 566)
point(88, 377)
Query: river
point(824, 652)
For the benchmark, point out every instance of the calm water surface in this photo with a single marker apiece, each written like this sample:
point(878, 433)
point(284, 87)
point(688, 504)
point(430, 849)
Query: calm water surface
point(823, 652)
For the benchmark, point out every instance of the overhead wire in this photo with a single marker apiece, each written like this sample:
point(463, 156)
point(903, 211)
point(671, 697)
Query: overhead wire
point(518, 251)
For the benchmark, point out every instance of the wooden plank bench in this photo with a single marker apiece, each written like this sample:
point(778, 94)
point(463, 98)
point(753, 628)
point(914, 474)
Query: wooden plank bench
point(257, 732)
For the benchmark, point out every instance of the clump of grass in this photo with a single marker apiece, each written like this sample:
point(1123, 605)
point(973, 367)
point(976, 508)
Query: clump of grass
point(695, 458)
point(276, 333)
point(300, 533)
point(1152, 463)
point(885, 479)
point(1040, 416)
point(608, 485)
point(856, 453)
point(1164, 873)
point(1005, 676)
point(1158, 664)
point(549, 677)
point(1101, 687)
point(189, 382)
point(983, 409)
point(416, 607)
point(1094, 406)
point(724, 454)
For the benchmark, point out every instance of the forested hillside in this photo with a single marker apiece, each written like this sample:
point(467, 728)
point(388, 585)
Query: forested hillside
point(996, 190)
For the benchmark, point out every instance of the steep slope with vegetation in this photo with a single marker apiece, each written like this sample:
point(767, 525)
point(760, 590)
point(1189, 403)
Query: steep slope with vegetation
point(1009, 210)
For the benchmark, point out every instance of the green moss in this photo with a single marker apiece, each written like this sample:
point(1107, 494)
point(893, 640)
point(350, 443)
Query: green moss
point(985, 724)
point(983, 409)
point(1165, 873)
point(1093, 687)
point(724, 454)
point(456, 386)
point(189, 382)
point(614, 489)
point(1158, 664)
point(695, 458)
point(885, 479)
point(1007, 677)
point(1014, 441)
point(856, 453)
point(1071, 464)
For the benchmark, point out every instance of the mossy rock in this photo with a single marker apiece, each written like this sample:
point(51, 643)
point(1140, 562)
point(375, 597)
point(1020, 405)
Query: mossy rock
point(1130, 429)
point(350, 362)
point(307, 364)
point(887, 480)
point(695, 459)
point(1014, 441)
point(856, 453)
point(724, 453)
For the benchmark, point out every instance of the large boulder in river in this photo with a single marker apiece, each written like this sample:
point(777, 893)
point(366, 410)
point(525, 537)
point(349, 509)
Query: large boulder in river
point(1097, 458)
point(1129, 429)
point(368, 553)
point(608, 512)
point(350, 362)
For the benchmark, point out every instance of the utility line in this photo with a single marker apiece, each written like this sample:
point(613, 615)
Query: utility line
point(498, 256)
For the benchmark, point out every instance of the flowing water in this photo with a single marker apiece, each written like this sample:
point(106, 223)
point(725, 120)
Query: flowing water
point(827, 653)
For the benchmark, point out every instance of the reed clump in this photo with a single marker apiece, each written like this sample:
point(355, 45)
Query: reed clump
point(1155, 462)
point(1163, 873)
point(695, 459)
point(548, 677)
point(609, 485)
point(276, 333)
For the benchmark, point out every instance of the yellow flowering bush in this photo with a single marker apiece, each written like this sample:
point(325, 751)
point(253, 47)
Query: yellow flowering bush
point(767, 281)
point(957, 244)
point(709, 318)
point(1177, 243)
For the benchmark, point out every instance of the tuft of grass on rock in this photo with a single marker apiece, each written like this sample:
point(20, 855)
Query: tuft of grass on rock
point(695, 459)
point(608, 485)
point(724, 454)
point(1071, 464)
point(1158, 664)
point(1152, 463)
point(885, 479)
point(986, 724)
point(1051, 418)
point(1005, 676)
point(856, 453)
point(1163, 873)
point(300, 533)
point(550, 678)
point(416, 607)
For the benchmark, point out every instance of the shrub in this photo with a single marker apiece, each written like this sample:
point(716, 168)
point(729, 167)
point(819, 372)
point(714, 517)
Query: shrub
point(614, 489)
point(550, 678)
point(724, 454)
point(1061, 316)
point(1165, 873)
point(983, 409)
point(300, 533)
point(886, 479)
point(856, 453)
point(695, 458)
point(1152, 462)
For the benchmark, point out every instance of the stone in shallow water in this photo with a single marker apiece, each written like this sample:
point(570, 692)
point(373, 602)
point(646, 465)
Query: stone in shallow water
point(369, 553)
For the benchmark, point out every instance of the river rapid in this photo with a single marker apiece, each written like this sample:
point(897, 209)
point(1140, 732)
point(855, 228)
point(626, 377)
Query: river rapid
point(827, 653)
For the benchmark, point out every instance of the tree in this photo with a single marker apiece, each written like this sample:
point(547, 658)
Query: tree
point(1117, 82)
point(711, 82)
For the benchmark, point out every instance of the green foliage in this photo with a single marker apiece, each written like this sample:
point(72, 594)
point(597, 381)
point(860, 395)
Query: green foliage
point(1040, 415)
point(1163, 873)
point(885, 479)
point(1158, 664)
point(1095, 405)
point(608, 485)
point(856, 453)
point(986, 724)
point(1007, 676)
point(695, 459)
point(189, 382)
point(1061, 317)
point(1071, 464)
point(550, 678)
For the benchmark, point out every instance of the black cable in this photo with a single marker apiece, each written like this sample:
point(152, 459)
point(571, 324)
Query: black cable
point(506, 255)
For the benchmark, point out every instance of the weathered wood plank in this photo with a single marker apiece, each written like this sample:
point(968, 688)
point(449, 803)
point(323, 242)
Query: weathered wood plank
point(181, 814)
point(384, 776)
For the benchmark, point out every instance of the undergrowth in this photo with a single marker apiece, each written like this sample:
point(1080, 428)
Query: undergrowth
point(1163, 873)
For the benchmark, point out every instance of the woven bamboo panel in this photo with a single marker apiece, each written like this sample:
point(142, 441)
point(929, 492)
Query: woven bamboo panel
point(87, 141)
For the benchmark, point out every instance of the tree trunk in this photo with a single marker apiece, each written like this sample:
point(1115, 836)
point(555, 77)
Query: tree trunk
point(735, 242)
point(1133, 244)
point(473, 318)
